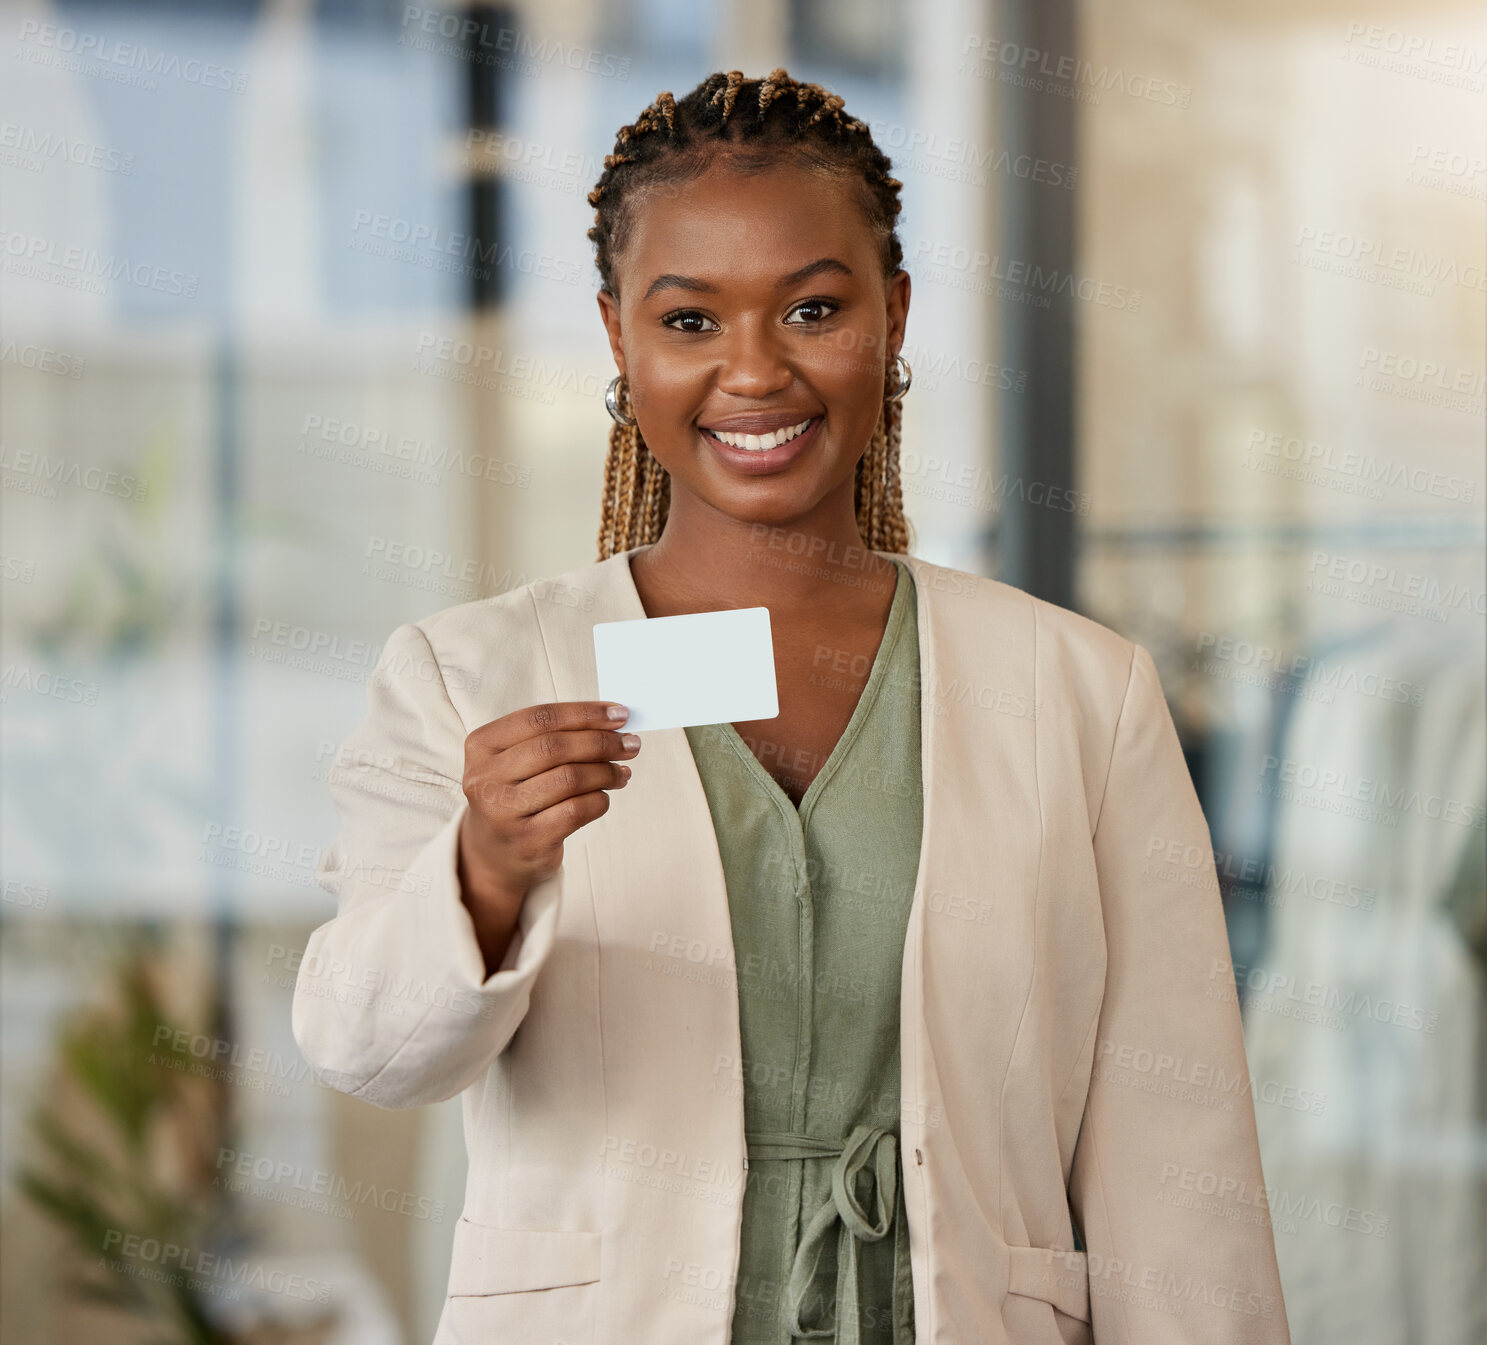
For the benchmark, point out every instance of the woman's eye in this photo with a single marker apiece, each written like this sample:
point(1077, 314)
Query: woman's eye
point(689, 316)
point(815, 310)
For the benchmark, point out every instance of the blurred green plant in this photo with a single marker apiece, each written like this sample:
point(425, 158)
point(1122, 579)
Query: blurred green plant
point(130, 1142)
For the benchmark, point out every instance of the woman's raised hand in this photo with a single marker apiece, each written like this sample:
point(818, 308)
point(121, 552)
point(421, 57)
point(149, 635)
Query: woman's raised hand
point(533, 777)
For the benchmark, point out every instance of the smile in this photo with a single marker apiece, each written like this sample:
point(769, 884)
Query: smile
point(760, 443)
point(767, 453)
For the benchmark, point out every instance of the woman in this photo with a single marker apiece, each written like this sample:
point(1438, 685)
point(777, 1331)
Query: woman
point(904, 1016)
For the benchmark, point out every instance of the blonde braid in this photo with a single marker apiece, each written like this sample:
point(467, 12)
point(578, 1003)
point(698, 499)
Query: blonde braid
point(607, 537)
point(893, 530)
point(626, 517)
point(728, 91)
point(770, 88)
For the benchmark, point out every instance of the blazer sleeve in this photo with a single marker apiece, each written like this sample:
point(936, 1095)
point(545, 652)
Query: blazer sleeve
point(1166, 1184)
point(391, 1000)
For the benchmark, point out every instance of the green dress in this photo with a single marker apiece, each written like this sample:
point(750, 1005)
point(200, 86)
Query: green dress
point(819, 904)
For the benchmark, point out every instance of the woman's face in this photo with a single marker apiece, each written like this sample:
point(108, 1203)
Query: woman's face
point(755, 305)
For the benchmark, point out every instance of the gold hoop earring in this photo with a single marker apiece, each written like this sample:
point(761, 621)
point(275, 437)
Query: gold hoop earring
point(612, 403)
point(905, 377)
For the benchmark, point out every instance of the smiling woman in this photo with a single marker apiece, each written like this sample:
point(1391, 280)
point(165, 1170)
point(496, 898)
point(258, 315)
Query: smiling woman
point(870, 1022)
point(795, 270)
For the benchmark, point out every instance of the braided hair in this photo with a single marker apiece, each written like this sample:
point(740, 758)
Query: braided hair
point(755, 122)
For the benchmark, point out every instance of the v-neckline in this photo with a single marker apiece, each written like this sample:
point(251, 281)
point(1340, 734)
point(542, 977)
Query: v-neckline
point(891, 632)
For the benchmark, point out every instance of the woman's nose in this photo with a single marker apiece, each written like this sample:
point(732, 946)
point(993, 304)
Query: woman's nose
point(754, 365)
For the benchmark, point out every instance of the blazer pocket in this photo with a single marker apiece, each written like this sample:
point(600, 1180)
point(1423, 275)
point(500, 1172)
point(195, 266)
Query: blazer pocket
point(1056, 1276)
point(491, 1260)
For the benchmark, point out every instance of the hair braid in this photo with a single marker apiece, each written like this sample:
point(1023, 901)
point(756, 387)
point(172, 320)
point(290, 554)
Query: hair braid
point(770, 88)
point(728, 91)
point(675, 140)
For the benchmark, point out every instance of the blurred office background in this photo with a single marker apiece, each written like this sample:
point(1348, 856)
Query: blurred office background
point(1198, 340)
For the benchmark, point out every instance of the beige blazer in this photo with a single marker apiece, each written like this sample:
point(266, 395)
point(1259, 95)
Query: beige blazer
point(1071, 1047)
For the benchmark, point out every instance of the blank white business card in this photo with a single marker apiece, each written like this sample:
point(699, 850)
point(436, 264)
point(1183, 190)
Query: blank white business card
point(698, 668)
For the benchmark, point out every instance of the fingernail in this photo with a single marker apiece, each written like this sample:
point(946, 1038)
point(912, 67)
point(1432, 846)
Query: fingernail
point(617, 712)
point(625, 771)
point(629, 741)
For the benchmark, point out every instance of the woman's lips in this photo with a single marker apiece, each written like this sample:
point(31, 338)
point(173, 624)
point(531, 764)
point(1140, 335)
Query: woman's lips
point(758, 461)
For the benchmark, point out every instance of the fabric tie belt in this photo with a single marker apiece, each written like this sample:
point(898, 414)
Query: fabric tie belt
point(854, 1225)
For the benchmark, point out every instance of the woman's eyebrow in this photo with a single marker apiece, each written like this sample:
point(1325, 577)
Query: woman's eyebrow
point(672, 281)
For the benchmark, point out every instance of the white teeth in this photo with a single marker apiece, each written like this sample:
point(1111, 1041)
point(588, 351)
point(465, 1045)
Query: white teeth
point(758, 443)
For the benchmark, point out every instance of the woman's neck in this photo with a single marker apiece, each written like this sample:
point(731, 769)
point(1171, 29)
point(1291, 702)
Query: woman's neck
point(707, 561)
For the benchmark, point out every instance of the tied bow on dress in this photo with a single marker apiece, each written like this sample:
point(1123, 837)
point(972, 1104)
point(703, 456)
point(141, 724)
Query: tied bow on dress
point(854, 1226)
